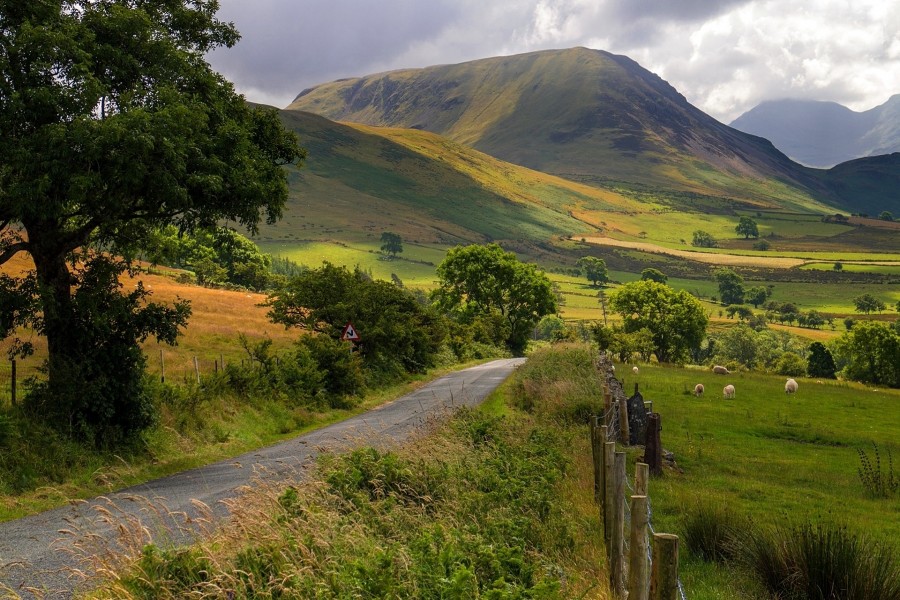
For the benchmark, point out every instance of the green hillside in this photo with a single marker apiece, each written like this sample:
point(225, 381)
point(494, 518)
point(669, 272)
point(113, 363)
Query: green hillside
point(589, 116)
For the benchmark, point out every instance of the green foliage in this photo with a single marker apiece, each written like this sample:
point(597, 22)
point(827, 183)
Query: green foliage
point(821, 562)
point(762, 245)
point(537, 388)
point(867, 303)
point(886, 216)
point(703, 239)
point(168, 573)
point(115, 125)
point(838, 266)
point(594, 269)
point(391, 243)
point(755, 349)
point(477, 512)
point(731, 286)
point(747, 227)
point(756, 295)
point(398, 333)
point(869, 352)
point(711, 529)
point(820, 362)
point(791, 365)
point(877, 484)
point(654, 275)
point(96, 390)
point(675, 319)
point(477, 281)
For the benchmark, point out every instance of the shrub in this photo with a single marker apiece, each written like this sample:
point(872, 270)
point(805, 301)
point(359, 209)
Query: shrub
point(821, 562)
point(876, 483)
point(820, 362)
point(791, 365)
point(711, 530)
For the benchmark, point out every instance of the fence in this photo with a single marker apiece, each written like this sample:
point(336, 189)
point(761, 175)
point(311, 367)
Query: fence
point(638, 569)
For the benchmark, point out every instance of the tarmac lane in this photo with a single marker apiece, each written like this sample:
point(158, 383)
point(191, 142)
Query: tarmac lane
point(52, 554)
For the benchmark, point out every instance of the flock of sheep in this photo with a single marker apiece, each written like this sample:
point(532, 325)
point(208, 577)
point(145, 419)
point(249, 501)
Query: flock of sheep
point(790, 386)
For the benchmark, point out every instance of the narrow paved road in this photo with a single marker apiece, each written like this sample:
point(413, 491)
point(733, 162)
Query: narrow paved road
point(36, 553)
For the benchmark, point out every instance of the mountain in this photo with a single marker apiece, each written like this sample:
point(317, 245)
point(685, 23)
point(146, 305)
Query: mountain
point(359, 181)
point(824, 134)
point(583, 114)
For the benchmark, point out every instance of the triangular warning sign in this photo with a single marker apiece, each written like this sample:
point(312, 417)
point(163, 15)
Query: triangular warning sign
point(349, 333)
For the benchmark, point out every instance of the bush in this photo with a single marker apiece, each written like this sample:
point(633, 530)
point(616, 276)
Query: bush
point(821, 562)
point(791, 365)
point(560, 385)
point(711, 530)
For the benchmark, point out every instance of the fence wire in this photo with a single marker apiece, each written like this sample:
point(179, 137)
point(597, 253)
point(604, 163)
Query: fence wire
point(617, 391)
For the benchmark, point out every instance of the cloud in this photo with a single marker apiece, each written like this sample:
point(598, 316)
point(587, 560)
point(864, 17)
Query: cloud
point(725, 56)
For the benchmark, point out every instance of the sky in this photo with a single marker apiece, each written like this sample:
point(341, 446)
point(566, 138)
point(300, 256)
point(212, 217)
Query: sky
point(724, 56)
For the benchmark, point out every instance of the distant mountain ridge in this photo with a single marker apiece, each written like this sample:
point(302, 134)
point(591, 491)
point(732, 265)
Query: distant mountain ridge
point(594, 117)
point(824, 134)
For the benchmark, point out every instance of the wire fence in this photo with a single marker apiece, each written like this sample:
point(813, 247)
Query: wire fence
point(608, 428)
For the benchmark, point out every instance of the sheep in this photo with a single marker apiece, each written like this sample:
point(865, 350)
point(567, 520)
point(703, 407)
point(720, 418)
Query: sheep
point(728, 391)
point(698, 390)
point(720, 370)
point(612, 368)
point(635, 370)
point(790, 386)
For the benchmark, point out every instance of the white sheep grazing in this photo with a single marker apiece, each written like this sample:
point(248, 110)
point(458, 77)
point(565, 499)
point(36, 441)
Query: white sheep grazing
point(698, 390)
point(720, 370)
point(635, 370)
point(790, 386)
point(612, 368)
point(728, 391)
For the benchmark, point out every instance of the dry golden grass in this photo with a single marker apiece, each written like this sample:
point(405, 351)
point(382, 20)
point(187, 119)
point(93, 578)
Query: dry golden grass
point(712, 258)
point(218, 317)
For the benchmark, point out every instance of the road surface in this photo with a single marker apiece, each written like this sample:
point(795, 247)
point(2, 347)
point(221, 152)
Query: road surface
point(39, 555)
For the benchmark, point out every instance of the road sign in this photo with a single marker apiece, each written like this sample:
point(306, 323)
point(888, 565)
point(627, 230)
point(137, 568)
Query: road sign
point(349, 333)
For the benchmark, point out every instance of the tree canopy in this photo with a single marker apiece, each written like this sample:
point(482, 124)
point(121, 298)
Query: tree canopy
point(391, 243)
point(477, 281)
point(731, 286)
point(747, 227)
point(394, 328)
point(703, 239)
point(867, 303)
point(675, 319)
point(654, 275)
point(111, 124)
point(594, 269)
point(870, 352)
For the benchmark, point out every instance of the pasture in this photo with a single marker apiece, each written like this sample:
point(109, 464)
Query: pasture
point(769, 456)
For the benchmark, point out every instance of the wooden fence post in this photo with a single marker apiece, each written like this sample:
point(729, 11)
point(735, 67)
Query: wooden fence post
point(617, 543)
point(641, 477)
point(638, 560)
point(624, 435)
point(653, 446)
point(664, 569)
point(197, 368)
point(12, 381)
point(607, 406)
point(604, 436)
point(162, 367)
point(597, 454)
point(609, 463)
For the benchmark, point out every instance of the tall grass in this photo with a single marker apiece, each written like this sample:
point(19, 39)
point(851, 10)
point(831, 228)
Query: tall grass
point(474, 510)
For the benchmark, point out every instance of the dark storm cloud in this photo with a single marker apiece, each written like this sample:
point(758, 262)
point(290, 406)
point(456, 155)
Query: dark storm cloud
point(290, 44)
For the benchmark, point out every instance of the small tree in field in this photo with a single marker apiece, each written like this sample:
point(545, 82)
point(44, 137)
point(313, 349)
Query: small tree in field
point(820, 362)
point(594, 269)
point(703, 239)
point(391, 244)
point(867, 303)
point(656, 275)
point(747, 227)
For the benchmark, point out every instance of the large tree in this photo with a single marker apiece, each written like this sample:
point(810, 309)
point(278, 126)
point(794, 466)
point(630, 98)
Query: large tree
point(747, 227)
point(594, 269)
point(478, 281)
point(112, 123)
point(867, 303)
point(731, 286)
point(675, 318)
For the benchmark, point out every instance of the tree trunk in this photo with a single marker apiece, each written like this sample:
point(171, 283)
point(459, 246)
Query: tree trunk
point(55, 285)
